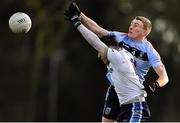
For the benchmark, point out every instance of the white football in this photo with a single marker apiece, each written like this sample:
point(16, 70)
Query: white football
point(20, 22)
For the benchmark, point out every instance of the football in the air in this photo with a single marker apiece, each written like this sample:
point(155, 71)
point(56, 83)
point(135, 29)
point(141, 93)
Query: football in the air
point(20, 22)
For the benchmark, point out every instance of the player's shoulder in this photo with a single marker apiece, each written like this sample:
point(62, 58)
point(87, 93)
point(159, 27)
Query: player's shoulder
point(148, 44)
point(151, 48)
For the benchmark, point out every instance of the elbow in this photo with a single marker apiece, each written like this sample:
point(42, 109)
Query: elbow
point(163, 76)
point(165, 80)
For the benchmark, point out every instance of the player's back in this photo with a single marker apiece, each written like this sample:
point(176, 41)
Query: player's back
point(123, 76)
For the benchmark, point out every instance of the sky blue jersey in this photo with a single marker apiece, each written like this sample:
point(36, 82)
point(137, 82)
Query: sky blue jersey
point(144, 54)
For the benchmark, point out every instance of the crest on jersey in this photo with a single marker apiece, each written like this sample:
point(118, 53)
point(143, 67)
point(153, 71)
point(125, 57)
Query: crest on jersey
point(107, 110)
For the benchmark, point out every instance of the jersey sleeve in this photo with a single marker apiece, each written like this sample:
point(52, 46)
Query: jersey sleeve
point(154, 57)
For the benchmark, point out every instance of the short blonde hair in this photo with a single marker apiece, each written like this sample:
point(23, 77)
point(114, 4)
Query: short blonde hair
point(146, 23)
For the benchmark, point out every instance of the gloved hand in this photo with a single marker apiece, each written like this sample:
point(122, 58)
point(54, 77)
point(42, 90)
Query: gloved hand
point(72, 14)
point(72, 17)
point(151, 87)
point(74, 8)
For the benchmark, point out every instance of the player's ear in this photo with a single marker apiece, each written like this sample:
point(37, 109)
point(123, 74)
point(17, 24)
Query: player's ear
point(145, 32)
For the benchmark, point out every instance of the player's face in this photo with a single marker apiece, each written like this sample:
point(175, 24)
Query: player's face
point(136, 30)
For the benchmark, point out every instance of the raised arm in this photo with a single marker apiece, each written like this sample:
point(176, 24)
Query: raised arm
point(87, 22)
point(93, 26)
point(93, 40)
point(90, 37)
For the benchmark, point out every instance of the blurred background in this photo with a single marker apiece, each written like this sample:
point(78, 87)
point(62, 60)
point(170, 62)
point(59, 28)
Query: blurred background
point(52, 74)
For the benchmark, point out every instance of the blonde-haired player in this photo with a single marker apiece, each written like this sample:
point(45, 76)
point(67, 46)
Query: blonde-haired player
point(130, 91)
point(144, 54)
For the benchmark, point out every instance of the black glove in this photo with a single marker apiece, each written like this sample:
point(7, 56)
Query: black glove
point(72, 17)
point(151, 87)
point(74, 8)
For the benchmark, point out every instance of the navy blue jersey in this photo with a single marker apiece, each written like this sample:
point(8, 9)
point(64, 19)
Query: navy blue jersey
point(144, 54)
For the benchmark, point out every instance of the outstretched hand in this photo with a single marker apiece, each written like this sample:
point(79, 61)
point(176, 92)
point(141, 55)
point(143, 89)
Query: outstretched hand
point(72, 15)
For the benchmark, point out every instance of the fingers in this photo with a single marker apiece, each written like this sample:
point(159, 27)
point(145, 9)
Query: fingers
point(68, 14)
point(73, 5)
point(72, 11)
point(74, 8)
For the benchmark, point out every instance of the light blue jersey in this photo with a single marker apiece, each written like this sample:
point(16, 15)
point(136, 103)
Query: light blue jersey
point(144, 54)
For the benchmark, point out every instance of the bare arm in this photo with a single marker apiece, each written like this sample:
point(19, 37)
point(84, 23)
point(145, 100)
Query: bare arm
point(93, 26)
point(163, 77)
